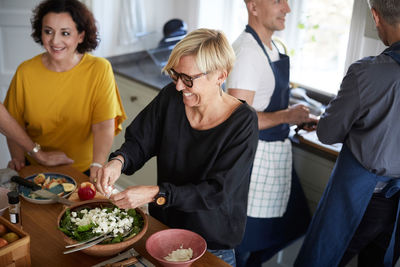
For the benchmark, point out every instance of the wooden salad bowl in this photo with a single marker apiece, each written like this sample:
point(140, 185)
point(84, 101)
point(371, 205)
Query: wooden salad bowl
point(103, 250)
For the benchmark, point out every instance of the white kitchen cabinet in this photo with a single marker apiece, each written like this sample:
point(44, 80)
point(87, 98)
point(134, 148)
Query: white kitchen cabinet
point(314, 172)
point(135, 97)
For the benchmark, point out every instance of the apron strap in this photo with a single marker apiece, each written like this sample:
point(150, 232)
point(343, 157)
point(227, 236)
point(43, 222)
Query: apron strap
point(257, 38)
point(391, 51)
point(260, 43)
point(389, 191)
point(394, 55)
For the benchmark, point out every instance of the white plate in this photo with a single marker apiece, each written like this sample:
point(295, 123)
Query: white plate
point(25, 191)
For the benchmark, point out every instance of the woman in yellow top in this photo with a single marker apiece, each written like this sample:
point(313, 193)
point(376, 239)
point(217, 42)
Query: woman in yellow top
point(65, 98)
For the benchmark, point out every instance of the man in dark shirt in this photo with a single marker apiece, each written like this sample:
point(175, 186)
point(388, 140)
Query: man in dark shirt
point(358, 213)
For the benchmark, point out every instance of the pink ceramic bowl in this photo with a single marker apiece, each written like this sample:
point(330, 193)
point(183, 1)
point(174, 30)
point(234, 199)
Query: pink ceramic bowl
point(106, 249)
point(160, 244)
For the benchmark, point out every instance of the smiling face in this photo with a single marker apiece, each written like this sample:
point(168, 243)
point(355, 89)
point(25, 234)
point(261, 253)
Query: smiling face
point(204, 88)
point(60, 36)
point(271, 13)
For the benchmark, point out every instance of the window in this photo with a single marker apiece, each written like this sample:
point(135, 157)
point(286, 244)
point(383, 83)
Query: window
point(230, 16)
point(317, 35)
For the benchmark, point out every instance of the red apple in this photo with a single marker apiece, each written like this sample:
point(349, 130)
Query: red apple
point(3, 242)
point(3, 229)
point(86, 191)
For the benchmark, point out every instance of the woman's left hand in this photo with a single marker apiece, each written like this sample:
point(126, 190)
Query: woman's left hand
point(135, 196)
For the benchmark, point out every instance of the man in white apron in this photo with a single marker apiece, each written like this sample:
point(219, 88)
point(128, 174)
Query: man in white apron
point(277, 209)
point(358, 213)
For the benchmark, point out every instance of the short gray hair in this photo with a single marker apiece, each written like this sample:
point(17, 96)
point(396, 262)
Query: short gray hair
point(388, 9)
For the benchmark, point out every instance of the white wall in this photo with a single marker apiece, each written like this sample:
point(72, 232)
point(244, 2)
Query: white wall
point(363, 34)
point(157, 13)
point(16, 45)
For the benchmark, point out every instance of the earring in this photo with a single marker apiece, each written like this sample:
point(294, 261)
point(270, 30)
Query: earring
point(219, 89)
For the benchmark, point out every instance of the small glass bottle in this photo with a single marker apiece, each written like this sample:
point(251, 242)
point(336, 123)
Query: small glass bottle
point(14, 207)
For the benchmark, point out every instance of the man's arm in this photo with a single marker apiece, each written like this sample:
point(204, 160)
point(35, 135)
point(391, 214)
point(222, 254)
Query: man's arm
point(342, 112)
point(296, 114)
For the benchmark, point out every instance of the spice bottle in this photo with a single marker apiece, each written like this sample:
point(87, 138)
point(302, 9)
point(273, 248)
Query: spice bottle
point(14, 207)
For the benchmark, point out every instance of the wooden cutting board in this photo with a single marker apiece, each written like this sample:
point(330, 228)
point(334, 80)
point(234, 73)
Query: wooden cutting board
point(74, 196)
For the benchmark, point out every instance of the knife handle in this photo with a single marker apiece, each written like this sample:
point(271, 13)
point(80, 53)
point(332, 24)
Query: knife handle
point(25, 182)
point(125, 263)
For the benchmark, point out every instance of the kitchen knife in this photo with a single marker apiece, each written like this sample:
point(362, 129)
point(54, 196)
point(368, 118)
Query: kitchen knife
point(37, 189)
point(122, 256)
point(125, 256)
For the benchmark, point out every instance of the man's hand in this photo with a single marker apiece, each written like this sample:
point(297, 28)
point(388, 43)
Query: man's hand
point(298, 114)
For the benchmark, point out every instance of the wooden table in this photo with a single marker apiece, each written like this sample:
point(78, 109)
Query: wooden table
point(47, 245)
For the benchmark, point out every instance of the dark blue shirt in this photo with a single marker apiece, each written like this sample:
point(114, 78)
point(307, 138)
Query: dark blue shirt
point(365, 115)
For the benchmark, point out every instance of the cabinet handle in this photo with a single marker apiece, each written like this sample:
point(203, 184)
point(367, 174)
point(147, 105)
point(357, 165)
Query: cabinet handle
point(133, 98)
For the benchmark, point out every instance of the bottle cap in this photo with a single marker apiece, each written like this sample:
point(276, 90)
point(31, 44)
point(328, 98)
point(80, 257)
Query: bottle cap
point(13, 197)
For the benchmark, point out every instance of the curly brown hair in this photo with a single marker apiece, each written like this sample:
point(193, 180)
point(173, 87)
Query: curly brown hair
point(79, 13)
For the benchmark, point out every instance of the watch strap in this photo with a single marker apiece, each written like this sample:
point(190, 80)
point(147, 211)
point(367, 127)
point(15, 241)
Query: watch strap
point(34, 150)
point(161, 199)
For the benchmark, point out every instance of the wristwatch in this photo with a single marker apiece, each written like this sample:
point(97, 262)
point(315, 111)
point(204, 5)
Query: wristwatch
point(34, 150)
point(161, 198)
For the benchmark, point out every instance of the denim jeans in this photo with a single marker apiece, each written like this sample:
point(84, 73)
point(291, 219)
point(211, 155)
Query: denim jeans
point(227, 255)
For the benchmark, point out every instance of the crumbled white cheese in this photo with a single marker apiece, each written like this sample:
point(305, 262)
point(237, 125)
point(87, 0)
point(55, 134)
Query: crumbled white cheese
point(181, 254)
point(116, 222)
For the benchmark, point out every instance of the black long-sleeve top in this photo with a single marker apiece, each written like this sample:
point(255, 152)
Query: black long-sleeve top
point(205, 173)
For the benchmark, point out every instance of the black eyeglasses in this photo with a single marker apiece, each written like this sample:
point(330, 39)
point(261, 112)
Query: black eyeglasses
point(186, 79)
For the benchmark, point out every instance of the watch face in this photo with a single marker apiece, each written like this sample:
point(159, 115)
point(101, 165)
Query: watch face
point(161, 200)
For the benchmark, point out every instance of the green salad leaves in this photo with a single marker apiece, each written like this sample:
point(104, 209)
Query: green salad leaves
point(86, 223)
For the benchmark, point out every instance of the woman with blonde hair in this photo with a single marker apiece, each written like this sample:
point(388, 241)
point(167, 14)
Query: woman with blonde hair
point(204, 141)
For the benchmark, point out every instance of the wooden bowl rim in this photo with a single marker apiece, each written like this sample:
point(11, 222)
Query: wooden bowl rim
point(138, 236)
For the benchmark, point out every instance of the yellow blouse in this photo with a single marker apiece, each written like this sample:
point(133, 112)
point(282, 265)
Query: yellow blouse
point(58, 109)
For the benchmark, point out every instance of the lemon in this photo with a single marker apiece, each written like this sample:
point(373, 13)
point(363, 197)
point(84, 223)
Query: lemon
point(10, 237)
point(68, 187)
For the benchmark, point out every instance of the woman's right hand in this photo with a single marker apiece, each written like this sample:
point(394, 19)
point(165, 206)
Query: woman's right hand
point(52, 158)
point(107, 176)
point(16, 164)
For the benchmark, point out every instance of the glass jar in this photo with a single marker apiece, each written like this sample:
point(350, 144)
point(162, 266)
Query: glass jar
point(14, 207)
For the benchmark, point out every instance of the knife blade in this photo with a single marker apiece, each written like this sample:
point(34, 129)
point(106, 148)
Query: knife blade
point(37, 189)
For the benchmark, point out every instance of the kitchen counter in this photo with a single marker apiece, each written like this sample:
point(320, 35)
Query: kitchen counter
point(47, 244)
point(141, 68)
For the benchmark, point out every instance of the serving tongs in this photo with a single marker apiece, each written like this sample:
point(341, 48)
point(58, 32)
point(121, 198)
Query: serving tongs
point(86, 241)
point(89, 243)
